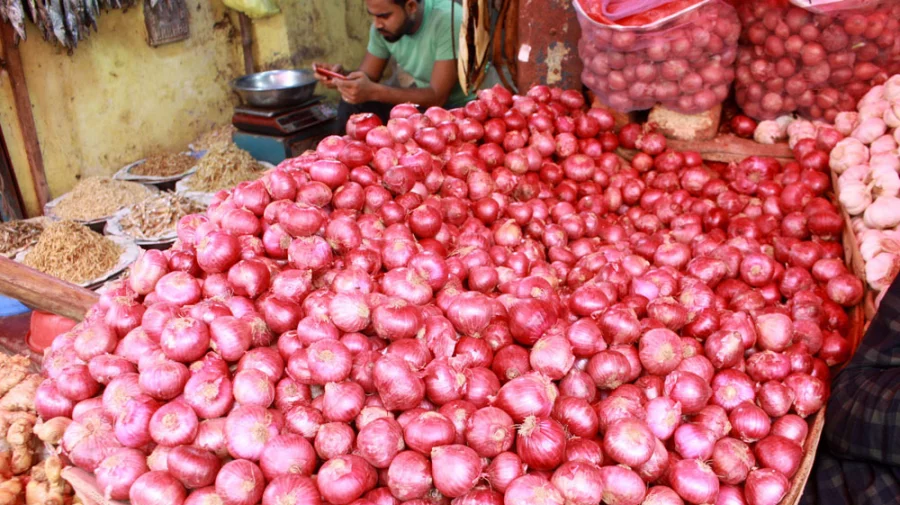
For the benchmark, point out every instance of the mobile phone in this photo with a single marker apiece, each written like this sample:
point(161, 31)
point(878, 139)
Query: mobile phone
point(329, 73)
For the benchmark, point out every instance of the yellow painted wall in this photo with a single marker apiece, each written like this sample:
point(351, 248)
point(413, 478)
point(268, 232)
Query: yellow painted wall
point(116, 99)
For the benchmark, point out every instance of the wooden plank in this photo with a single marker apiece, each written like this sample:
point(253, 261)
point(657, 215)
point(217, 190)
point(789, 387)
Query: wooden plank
point(23, 111)
point(246, 42)
point(43, 292)
point(725, 148)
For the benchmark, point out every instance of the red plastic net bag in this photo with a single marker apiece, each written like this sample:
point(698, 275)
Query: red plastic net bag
point(814, 57)
point(680, 54)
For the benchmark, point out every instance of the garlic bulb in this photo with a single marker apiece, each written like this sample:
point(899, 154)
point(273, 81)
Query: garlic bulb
point(884, 181)
point(848, 153)
point(881, 270)
point(855, 197)
point(846, 122)
point(769, 132)
point(883, 213)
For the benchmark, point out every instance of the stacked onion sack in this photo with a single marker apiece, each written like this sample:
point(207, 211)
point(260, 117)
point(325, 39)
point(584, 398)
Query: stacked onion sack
point(480, 306)
point(815, 61)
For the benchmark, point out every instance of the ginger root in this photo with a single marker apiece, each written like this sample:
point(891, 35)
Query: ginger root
point(21, 397)
point(52, 431)
point(13, 370)
point(10, 491)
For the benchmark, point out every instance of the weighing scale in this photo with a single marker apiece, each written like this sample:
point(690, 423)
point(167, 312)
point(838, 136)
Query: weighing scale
point(274, 135)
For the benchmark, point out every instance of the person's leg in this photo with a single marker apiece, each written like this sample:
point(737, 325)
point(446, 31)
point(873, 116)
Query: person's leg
point(345, 110)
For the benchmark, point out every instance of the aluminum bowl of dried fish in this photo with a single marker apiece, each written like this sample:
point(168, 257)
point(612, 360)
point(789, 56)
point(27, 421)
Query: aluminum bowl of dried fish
point(162, 170)
point(95, 199)
point(153, 222)
point(275, 88)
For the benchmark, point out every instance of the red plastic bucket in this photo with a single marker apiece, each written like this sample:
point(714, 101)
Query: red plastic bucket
point(44, 328)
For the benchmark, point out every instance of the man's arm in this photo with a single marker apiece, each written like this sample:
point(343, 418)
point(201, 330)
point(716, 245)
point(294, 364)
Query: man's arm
point(863, 416)
point(373, 66)
point(361, 88)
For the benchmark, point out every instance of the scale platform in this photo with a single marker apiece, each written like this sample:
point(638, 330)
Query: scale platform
point(283, 121)
point(273, 135)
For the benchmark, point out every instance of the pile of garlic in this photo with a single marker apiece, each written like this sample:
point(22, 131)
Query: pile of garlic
point(867, 162)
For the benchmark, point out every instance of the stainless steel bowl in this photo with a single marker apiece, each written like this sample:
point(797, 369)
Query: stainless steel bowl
point(275, 88)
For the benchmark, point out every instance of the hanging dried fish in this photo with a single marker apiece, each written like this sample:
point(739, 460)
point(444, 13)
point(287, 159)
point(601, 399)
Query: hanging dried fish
point(16, 16)
point(71, 20)
point(56, 21)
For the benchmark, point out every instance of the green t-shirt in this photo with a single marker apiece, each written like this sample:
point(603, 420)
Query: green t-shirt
point(433, 41)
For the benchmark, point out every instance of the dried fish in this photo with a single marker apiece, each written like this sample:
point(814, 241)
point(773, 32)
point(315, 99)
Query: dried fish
point(16, 16)
point(56, 21)
point(71, 20)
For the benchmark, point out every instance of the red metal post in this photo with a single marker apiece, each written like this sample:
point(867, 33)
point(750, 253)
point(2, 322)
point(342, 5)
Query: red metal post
point(548, 44)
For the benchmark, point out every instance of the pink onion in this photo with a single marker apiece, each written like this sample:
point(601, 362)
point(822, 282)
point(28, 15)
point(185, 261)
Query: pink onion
point(156, 488)
point(455, 469)
point(240, 482)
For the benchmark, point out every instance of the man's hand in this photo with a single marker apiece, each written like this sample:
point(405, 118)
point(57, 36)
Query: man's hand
point(357, 88)
point(326, 81)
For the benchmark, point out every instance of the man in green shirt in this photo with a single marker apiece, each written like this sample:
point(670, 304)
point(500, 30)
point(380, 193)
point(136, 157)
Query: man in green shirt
point(420, 36)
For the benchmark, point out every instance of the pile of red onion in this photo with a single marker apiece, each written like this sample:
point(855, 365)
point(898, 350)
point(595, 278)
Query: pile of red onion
point(479, 306)
point(685, 63)
point(817, 64)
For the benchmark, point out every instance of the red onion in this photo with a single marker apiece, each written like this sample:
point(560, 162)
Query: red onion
point(287, 454)
point(335, 439)
point(731, 388)
point(694, 481)
point(455, 469)
point(156, 488)
point(779, 453)
point(609, 369)
point(240, 482)
point(50, 403)
point(504, 469)
point(663, 416)
point(133, 423)
point(194, 467)
point(174, 423)
point(230, 337)
point(94, 340)
point(76, 383)
point(490, 431)
point(791, 427)
point(749, 422)
point(622, 485)
point(211, 436)
point(254, 420)
point(660, 351)
point(732, 460)
point(379, 441)
point(552, 356)
point(117, 473)
point(810, 393)
point(629, 441)
point(304, 420)
point(541, 443)
point(409, 476)
point(428, 430)
point(693, 441)
point(579, 483)
point(295, 489)
point(164, 380)
point(184, 339)
point(534, 489)
point(689, 389)
point(532, 394)
point(765, 486)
